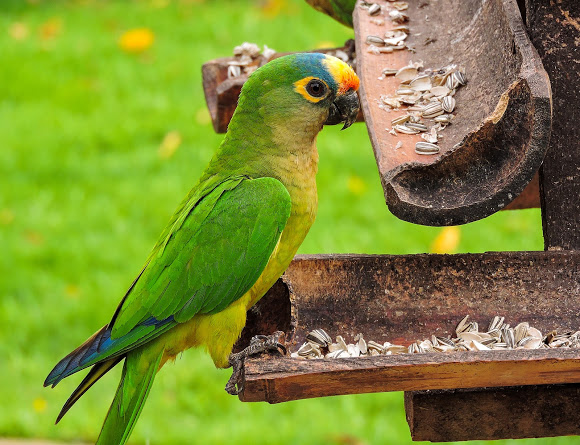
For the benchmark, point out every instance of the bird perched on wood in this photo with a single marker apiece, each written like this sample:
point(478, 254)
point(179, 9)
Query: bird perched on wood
point(229, 240)
point(339, 10)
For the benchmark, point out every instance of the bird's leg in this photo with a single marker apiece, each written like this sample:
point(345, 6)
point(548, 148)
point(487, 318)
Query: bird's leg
point(259, 343)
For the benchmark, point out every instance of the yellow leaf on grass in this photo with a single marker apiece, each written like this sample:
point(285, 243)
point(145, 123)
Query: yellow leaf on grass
point(72, 291)
point(169, 145)
point(18, 31)
point(356, 185)
point(6, 216)
point(50, 29)
point(136, 40)
point(39, 405)
point(447, 240)
point(272, 8)
point(34, 238)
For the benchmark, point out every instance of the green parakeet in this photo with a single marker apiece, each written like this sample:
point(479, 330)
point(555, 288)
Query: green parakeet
point(340, 10)
point(229, 240)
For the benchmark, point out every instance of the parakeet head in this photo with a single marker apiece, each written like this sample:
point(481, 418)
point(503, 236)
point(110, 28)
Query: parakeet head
point(301, 93)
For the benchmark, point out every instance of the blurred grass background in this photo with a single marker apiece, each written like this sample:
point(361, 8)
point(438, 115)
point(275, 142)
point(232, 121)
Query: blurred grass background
point(98, 144)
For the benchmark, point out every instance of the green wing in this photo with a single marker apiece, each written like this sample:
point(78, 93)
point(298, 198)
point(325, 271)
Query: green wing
point(210, 258)
point(211, 254)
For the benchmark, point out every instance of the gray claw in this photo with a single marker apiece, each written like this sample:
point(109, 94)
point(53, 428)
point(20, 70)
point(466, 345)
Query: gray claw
point(258, 344)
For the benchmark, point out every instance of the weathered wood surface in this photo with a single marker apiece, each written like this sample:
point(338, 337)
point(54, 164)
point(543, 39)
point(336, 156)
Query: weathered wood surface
point(402, 298)
point(285, 379)
point(497, 142)
point(221, 92)
point(501, 413)
point(529, 198)
point(554, 29)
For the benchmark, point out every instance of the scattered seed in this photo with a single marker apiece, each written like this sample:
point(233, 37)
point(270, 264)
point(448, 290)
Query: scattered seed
point(401, 119)
point(374, 9)
point(426, 148)
point(405, 130)
point(416, 126)
point(234, 71)
point(318, 343)
point(389, 71)
point(448, 104)
point(375, 40)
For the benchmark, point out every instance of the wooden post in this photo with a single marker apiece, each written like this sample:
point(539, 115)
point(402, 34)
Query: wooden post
point(554, 29)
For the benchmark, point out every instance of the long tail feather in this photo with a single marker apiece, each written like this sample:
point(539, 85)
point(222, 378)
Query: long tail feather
point(138, 375)
point(72, 360)
point(96, 372)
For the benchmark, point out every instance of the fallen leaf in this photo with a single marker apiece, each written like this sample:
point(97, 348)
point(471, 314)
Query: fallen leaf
point(18, 31)
point(6, 216)
point(447, 240)
point(356, 185)
point(169, 145)
point(72, 291)
point(136, 40)
point(272, 8)
point(34, 238)
point(50, 29)
point(39, 405)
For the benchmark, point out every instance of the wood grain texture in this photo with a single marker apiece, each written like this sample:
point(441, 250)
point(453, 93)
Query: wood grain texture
point(497, 142)
point(501, 413)
point(285, 379)
point(409, 297)
point(546, 410)
point(554, 28)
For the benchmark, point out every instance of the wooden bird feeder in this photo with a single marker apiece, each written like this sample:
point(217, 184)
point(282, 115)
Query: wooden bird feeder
point(489, 155)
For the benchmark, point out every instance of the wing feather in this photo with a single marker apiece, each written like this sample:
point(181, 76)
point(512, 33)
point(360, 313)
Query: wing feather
point(214, 256)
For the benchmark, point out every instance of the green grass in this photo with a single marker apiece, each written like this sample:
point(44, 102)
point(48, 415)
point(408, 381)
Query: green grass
point(84, 194)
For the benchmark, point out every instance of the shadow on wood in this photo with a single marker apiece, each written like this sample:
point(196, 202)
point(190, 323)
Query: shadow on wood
point(504, 413)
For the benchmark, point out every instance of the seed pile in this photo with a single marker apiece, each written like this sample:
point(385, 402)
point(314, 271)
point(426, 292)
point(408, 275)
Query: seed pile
point(394, 39)
point(499, 335)
point(425, 93)
point(248, 58)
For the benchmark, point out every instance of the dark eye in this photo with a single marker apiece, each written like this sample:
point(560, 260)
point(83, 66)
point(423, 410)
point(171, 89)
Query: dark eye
point(316, 88)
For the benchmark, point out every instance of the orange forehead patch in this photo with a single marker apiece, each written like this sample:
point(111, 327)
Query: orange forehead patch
point(343, 74)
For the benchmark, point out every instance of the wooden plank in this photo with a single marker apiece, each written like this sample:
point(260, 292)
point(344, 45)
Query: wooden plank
point(285, 379)
point(554, 29)
point(402, 298)
point(495, 145)
point(502, 413)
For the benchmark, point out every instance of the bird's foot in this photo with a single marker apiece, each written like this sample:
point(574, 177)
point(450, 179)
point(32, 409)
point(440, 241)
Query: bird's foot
point(258, 344)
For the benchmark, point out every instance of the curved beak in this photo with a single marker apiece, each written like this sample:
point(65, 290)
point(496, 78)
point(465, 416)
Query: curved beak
point(344, 109)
